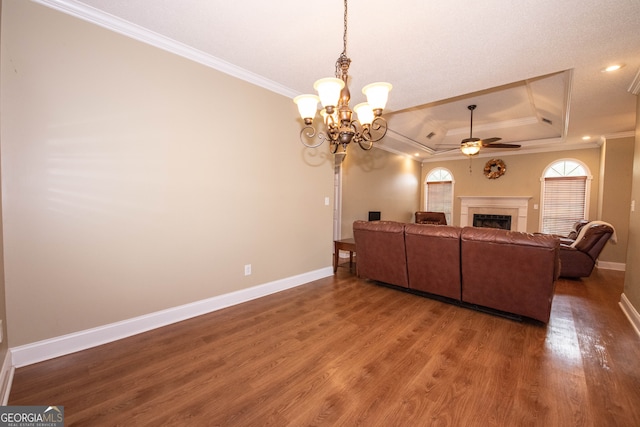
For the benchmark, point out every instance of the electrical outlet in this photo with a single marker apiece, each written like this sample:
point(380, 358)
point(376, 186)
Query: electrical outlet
point(247, 270)
point(1, 331)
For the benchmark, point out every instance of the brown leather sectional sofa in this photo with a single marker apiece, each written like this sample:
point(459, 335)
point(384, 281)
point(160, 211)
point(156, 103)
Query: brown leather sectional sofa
point(507, 271)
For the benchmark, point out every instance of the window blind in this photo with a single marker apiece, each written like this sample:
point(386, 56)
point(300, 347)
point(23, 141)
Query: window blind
point(564, 203)
point(439, 198)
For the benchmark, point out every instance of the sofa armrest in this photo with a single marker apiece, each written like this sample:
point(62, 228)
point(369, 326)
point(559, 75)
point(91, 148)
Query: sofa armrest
point(566, 247)
point(380, 251)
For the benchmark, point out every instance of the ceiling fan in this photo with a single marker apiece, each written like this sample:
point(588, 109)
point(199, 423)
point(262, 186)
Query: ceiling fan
point(471, 146)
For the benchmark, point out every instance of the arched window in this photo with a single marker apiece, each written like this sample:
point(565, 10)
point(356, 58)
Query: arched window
point(565, 196)
point(439, 192)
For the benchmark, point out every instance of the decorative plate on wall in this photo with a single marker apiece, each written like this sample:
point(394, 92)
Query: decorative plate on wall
point(494, 168)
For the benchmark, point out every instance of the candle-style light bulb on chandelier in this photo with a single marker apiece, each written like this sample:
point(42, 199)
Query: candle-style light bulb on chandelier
point(334, 95)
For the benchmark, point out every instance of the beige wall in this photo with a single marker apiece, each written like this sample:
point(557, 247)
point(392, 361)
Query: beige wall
point(522, 178)
point(135, 180)
point(377, 180)
point(632, 274)
point(615, 197)
point(3, 308)
point(4, 346)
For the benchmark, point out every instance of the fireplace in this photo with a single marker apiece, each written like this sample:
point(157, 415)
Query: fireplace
point(502, 222)
point(514, 206)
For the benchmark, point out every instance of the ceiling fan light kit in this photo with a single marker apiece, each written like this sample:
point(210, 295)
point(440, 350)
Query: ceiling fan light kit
point(471, 146)
point(341, 128)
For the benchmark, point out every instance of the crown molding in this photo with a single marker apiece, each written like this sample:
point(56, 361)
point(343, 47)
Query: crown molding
point(136, 32)
point(545, 147)
point(505, 124)
point(617, 135)
point(401, 138)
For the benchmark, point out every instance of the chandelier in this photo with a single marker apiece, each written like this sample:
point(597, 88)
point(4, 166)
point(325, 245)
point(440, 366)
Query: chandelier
point(341, 128)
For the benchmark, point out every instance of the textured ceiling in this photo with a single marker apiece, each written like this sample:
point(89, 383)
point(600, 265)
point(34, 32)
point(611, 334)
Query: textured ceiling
point(519, 61)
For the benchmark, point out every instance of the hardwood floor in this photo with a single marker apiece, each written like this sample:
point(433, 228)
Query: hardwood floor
point(343, 351)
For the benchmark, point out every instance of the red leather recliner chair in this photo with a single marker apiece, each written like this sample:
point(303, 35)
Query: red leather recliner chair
point(578, 258)
point(436, 218)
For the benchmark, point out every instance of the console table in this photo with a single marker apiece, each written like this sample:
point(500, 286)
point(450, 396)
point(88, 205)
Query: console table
point(344, 245)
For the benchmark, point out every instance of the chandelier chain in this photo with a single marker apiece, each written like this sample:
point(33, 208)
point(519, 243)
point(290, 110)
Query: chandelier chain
point(343, 62)
point(344, 37)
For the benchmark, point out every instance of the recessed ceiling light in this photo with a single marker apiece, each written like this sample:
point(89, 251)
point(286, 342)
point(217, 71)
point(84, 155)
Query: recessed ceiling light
point(586, 138)
point(610, 68)
point(416, 154)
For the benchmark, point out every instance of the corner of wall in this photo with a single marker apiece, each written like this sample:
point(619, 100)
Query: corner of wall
point(6, 378)
point(631, 313)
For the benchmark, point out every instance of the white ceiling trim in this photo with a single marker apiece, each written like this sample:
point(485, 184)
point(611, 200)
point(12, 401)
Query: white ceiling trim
point(128, 29)
point(618, 135)
point(505, 124)
point(175, 28)
point(399, 137)
point(393, 151)
point(545, 148)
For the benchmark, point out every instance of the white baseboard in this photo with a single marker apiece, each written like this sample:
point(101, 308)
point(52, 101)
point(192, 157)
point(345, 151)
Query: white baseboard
point(607, 265)
point(82, 340)
point(6, 378)
point(631, 313)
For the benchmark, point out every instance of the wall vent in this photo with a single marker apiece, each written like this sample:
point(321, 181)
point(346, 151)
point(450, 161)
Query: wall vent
point(635, 84)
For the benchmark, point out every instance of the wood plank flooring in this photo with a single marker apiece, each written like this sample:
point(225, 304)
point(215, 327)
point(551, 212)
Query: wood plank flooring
point(347, 352)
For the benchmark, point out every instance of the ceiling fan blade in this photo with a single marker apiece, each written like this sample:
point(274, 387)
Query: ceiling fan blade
point(469, 140)
point(488, 141)
point(502, 145)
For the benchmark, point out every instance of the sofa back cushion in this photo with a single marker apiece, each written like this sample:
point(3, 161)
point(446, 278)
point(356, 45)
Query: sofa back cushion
point(380, 251)
point(433, 259)
point(509, 270)
point(594, 239)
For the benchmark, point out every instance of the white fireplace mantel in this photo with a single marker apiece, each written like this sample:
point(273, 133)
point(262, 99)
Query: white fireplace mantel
point(516, 206)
